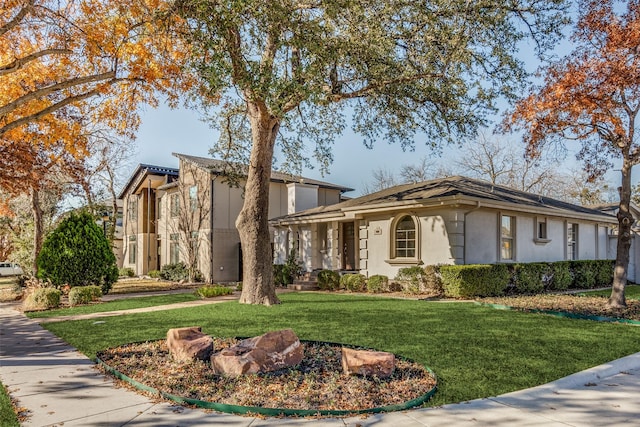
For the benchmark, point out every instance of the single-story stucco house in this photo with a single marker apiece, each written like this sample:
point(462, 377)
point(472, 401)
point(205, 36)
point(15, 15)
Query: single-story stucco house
point(455, 220)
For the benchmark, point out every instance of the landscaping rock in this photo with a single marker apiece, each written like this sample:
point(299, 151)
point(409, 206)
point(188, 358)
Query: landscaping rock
point(189, 344)
point(368, 363)
point(265, 353)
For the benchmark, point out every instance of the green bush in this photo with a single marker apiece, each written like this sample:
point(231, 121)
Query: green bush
point(413, 279)
point(604, 272)
point(584, 274)
point(560, 276)
point(78, 253)
point(378, 283)
point(42, 299)
point(529, 277)
point(154, 274)
point(213, 291)
point(284, 274)
point(468, 281)
point(353, 282)
point(174, 272)
point(328, 280)
point(433, 279)
point(84, 295)
point(126, 272)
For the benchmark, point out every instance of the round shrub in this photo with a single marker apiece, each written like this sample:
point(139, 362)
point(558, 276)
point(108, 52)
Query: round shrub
point(174, 272)
point(328, 280)
point(353, 282)
point(42, 299)
point(84, 295)
point(413, 279)
point(377, 283)
point(78, 253)
point(154, 274)
point(126, 272)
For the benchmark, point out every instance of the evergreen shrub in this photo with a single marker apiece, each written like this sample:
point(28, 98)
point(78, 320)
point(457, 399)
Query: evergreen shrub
point(211, 291)
point(560, 276)
point(126, 272)
point(468, 281)
point(529, 278)
point(42, 299)
point(584, 274)
point(328, 280)
point(413, 279)
point(174, 272)
point(84, 295)
point(353, 282)
point(378, 283)
point(78, 253)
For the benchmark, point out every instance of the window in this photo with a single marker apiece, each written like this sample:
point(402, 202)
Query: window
point(175, 204)
point(132, 208)
point(405, 238)
point(572, 241)
point(193, 198)
point(159, 208)
point(541, 229)
point(507, 228)
point(194, 243)
point(174, 248)
point(133, 249)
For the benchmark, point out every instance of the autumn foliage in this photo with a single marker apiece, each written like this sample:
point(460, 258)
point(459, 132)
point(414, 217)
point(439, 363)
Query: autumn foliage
point(67, 68)
point(593, 96)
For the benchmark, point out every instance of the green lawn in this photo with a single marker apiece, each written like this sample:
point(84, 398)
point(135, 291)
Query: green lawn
point(124, 304)
point(475, 351)
point(8, 417)
point(630, 292)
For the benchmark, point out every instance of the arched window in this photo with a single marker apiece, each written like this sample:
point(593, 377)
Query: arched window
point(405, 238)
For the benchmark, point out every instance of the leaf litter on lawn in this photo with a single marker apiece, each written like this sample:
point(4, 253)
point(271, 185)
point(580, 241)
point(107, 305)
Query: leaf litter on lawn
point(317, 383)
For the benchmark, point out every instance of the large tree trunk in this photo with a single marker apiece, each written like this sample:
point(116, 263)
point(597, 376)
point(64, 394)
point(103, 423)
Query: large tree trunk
point(38, 228)
point(253, 221)
point(625, 220)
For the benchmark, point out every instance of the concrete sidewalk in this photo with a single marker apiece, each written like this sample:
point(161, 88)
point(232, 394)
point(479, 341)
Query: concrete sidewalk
point(60, 386)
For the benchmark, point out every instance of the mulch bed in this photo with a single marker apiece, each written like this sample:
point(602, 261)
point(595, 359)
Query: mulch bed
point(589, 306)
point(317, 383)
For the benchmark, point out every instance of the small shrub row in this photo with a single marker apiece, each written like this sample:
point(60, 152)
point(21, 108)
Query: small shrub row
point(84, 295)
point(212, 291)
point(174, 272)
point(353, 282)
point(468, 281)
point(126, 272)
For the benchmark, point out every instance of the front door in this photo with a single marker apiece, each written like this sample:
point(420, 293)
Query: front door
point(348, 246)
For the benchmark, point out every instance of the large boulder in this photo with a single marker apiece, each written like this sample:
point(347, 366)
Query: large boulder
point(265, 353)
point(189, 344)
point(368, 363)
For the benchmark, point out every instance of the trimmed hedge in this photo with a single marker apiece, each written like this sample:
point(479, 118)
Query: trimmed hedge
point(412, 279)
point(468, 281)
point(378, 283)
point(328, 280)
point(212, 291)
point(42, 299)
point(84, 295)
point(353, 282)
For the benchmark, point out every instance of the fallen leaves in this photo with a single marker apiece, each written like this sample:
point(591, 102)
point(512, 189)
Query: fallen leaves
point(317, 383)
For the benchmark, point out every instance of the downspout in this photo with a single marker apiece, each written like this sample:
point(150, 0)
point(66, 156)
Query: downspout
point(464, 231)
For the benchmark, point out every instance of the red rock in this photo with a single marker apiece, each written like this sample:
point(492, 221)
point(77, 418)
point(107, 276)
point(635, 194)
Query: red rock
point(265, 353)
point(189, 344)
point(368, 363)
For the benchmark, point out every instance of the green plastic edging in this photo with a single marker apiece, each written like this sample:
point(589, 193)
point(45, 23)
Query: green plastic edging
point(245, 410)
point(561, 314)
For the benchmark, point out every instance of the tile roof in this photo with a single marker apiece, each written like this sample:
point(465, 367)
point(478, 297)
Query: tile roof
point(446, 188)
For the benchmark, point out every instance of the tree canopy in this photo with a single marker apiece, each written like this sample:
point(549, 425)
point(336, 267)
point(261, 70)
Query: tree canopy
point(592, 96)
point(286, 70)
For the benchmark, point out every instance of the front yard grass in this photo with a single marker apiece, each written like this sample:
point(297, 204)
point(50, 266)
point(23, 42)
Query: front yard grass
point(475, 351)
point(124, 304)
point(8, 417)
point(630, 292)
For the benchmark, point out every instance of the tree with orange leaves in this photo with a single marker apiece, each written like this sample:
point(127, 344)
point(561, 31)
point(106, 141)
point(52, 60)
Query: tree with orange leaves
point(67, 64)
point(592, 96)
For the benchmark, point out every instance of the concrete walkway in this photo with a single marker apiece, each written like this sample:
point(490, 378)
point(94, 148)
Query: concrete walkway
point(60, 386)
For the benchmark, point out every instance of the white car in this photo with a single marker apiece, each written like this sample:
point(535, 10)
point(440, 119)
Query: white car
point(10, 269)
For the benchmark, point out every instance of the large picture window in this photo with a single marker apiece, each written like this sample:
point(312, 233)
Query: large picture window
point(405, 238)
point(174, 207)
point(507, 234)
